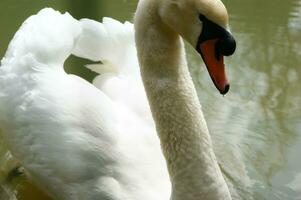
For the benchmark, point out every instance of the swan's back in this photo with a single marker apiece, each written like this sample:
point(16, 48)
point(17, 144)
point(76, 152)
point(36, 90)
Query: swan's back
point(76, 141)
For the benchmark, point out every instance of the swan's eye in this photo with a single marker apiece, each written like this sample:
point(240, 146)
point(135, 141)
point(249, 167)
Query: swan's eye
point(202, 17)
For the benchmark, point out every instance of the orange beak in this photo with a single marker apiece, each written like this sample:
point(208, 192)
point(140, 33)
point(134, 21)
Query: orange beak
point(215, 65)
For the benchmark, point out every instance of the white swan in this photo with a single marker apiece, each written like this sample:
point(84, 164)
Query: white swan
point(79, 142)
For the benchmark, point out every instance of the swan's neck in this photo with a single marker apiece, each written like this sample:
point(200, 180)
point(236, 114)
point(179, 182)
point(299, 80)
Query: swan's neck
point(182, 130)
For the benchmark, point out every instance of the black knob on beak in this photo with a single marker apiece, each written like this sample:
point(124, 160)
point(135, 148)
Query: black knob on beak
point(226, 45)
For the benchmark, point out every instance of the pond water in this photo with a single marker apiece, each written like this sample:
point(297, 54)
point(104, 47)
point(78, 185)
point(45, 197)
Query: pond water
point(256, 128)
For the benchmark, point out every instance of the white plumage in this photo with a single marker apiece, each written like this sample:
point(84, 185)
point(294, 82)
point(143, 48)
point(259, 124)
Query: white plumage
point(76, 141)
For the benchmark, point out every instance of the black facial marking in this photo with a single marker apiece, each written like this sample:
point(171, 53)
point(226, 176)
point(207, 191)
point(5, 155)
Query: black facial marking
point(225, 45)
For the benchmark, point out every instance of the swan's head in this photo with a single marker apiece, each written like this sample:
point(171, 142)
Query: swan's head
point(204, 24)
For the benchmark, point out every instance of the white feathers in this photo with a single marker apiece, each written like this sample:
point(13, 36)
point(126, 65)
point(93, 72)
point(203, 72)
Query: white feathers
point(113, 43)
point(77, 141)
point(109, 41)
point(34, 35)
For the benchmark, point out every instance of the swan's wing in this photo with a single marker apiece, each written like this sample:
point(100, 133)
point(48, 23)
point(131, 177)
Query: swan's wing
point(113, 43)
point(41, 43)
point(77, 142)
point(48, 43)
point(101, 41)
point(60, 127)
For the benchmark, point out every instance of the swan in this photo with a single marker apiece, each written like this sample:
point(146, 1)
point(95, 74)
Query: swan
point(78, 141)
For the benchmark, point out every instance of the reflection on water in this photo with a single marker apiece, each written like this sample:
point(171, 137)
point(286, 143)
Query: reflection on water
point(256, 127)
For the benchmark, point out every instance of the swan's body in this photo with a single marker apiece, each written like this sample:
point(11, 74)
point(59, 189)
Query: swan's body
point(80, 142)
point(71, 137)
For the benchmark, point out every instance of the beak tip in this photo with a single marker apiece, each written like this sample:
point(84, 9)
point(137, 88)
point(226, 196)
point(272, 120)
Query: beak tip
point(225, 90)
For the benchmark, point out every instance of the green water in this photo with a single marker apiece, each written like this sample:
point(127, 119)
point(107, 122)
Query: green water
point(256, 128)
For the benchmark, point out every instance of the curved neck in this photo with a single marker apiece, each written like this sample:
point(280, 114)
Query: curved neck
point(182, 130)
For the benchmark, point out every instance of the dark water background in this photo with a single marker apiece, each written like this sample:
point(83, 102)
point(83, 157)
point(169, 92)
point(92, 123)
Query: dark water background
point(256, 128)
